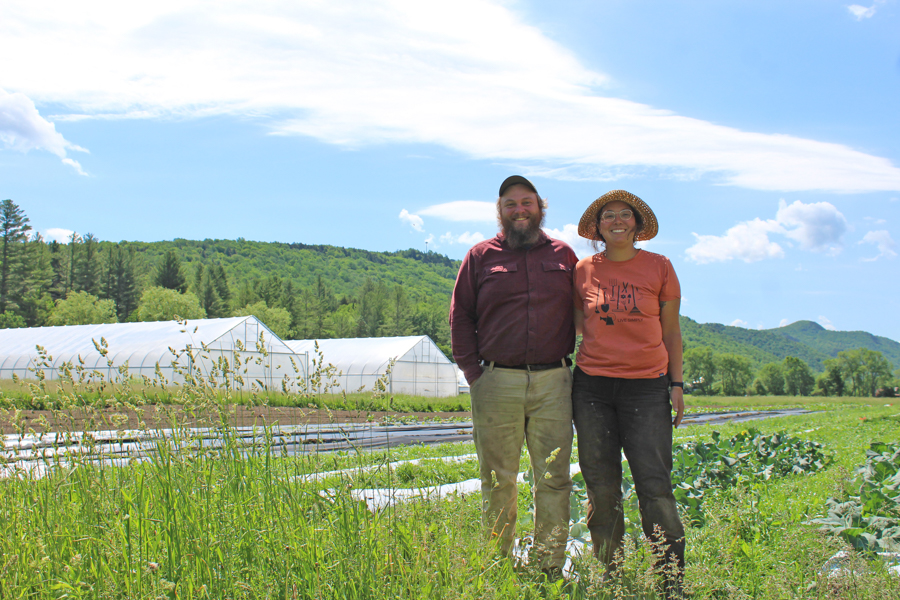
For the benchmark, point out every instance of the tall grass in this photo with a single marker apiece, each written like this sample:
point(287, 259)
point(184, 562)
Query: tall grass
point(240, 521)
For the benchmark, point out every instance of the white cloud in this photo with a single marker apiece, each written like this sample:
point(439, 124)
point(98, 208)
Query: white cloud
point(429, 239)
point(56, 233)
point(470, 238)
point(748, 241)
point(569, 234)
point(462, 210)
point(22, 128)
point(816, 226)
point(784, 323)
point(393, 71)
point(826, 323)
point(883, 241)
point(415, 221)
point(739, 323)
point(862, 12)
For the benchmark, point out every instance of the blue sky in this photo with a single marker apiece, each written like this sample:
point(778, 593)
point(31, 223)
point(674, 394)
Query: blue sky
point(765, 135)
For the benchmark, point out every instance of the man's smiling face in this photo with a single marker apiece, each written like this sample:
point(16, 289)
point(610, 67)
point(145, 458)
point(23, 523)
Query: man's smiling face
point(521, 216)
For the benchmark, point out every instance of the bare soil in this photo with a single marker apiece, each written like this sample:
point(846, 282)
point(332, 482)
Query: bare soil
point(164, 416)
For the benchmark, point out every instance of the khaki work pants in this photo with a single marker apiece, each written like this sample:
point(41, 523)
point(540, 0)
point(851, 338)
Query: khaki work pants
point(510, 406)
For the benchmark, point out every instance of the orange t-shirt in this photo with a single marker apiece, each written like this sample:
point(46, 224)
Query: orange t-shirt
point(620, 301)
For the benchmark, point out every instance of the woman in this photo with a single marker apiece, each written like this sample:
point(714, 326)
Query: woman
point(628, 371)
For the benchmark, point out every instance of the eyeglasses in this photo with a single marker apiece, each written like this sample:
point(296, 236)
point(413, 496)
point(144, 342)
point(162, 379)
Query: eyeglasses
point(610, 215)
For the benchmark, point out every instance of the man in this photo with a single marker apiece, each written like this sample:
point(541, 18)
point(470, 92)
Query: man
point(511, 329)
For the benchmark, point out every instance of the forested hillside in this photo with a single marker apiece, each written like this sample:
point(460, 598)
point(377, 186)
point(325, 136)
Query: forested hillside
point(805, 340)
point(300, 292)
point(831, 342)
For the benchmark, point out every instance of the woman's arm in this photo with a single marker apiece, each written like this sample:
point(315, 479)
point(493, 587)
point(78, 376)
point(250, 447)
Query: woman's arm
point(579, 321)
point(671, 335)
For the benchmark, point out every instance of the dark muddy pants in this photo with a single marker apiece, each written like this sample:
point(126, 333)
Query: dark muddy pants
point(634, 415)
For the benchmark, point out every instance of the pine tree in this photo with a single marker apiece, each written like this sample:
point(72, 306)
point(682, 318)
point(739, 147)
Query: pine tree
point(74, 240)
point(400, 320)
point(169, 273)
point(58, 270)
point(268, 290)
point(197, 284)
point(209, 296)
point(121, 285)
point(30, 282)
point(87, 267)
point(14, 228)
point(220, 279)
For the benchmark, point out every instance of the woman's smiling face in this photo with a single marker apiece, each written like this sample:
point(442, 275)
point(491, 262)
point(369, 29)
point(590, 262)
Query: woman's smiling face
point(617, 230)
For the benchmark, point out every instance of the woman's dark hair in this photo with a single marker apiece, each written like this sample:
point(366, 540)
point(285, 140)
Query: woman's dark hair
point(639, 222)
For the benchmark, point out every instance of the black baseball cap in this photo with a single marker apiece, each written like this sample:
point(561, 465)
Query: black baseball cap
point(516, 180)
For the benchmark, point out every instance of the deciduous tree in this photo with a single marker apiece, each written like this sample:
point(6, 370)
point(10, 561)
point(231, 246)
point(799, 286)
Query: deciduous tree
point(275, 318)
point(735, 373)
point(771, 376)
point(798, 377)
point(81, 308)
point(163, 304)
point(700, 368)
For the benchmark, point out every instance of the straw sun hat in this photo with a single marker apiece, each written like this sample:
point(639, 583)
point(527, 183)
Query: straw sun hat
point(587, 227)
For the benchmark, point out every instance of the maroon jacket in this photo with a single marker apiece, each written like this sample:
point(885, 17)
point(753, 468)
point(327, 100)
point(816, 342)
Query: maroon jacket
point(513, 307)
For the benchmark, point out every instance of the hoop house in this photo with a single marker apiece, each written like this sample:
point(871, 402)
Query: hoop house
point(420, 368)
point(147, 350)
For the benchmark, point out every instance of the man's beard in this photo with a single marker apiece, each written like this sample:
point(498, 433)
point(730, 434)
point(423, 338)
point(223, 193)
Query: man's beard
point(522, 238)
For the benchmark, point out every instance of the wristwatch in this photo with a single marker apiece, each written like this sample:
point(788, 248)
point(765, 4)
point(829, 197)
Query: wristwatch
point(676, 384)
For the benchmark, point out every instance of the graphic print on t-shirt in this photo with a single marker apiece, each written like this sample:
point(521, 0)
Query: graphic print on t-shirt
point(620, 298)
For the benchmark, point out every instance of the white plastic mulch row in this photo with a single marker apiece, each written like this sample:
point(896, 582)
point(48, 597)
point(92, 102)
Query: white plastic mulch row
point(379, 498)
point(393, 465)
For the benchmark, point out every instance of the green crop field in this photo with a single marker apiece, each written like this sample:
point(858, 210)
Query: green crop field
point(247, 522)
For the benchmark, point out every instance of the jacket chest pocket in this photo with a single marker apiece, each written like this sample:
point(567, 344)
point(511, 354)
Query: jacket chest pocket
point(499, 270)
point(556, 269)
point(500, 277)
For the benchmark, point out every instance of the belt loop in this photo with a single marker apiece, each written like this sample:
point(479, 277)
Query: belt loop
point(563, 361)
point(491, 367)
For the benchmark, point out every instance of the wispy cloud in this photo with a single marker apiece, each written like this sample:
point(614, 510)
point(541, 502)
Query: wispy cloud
point(826, 323)
point(415, 221)
point(386, 71)
point(883, 241)
point(22, 128)
point(784, 323)
point(863, 12)
point(462, 210)
point(816, 226)
point(739, 323)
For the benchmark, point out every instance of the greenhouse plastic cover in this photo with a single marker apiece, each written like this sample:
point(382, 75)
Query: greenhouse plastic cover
point(420, 369)
point(141, 345)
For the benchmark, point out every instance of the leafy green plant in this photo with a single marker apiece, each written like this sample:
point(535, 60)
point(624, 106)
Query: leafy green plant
point(870, 519)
